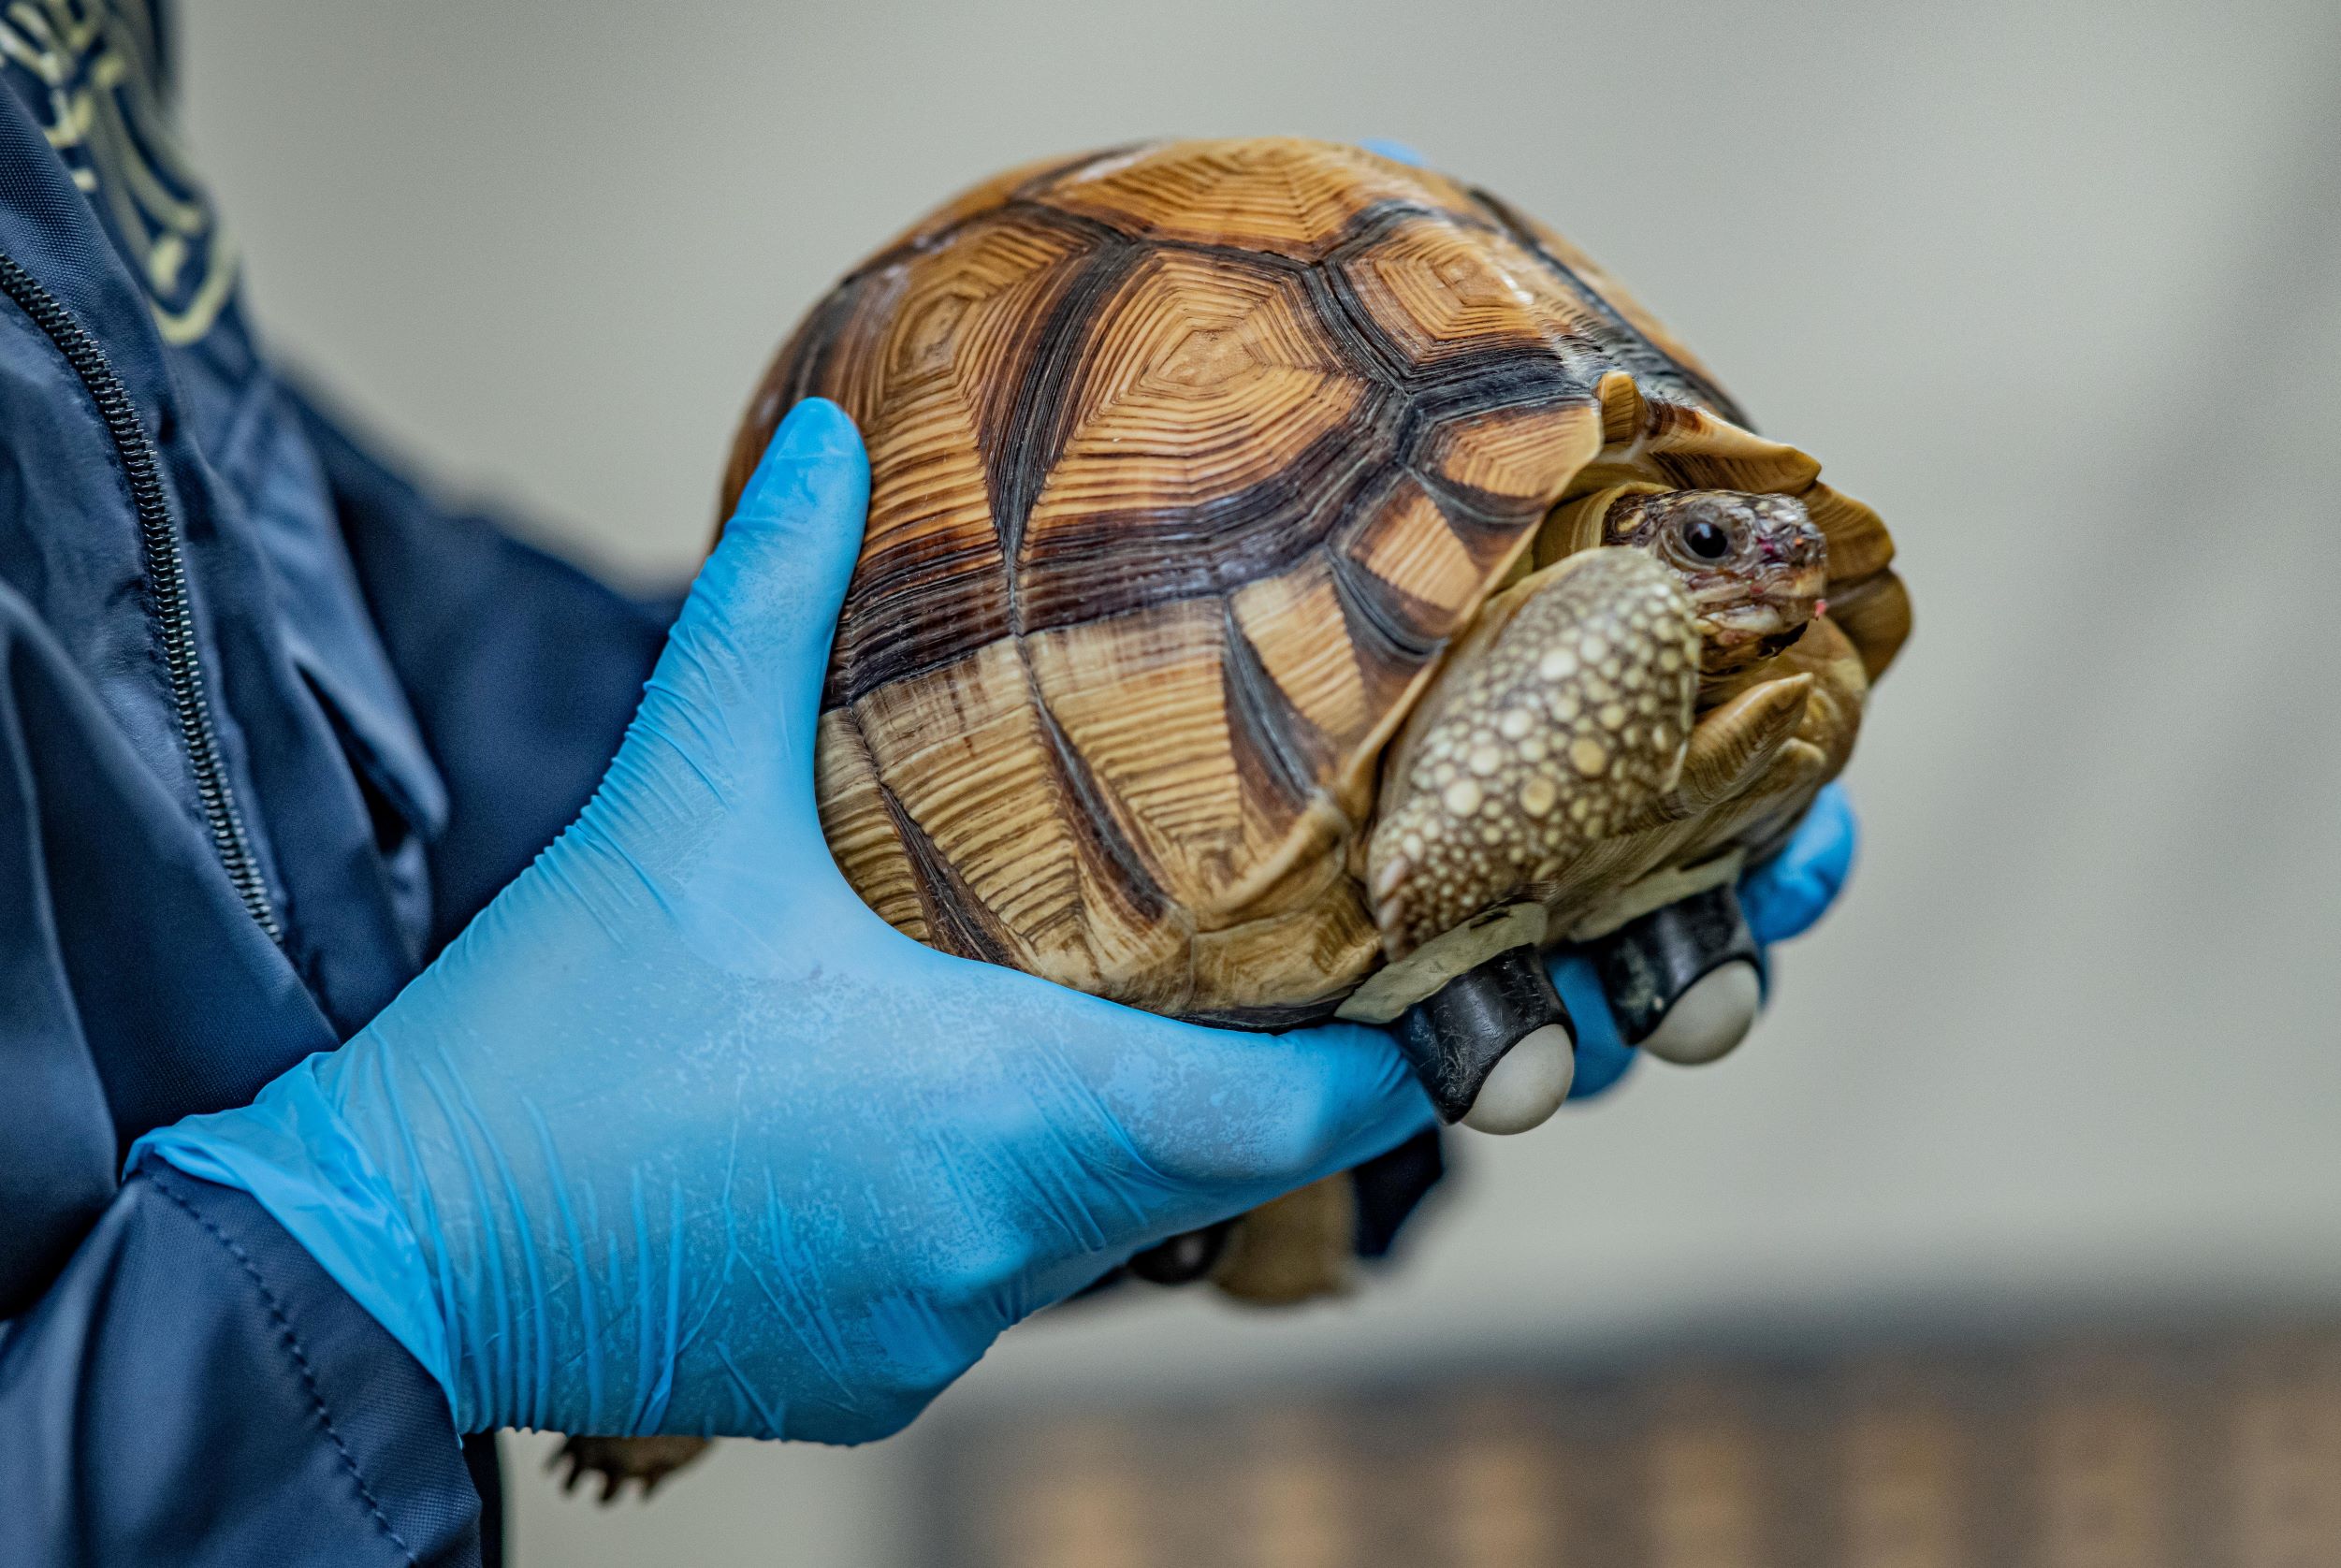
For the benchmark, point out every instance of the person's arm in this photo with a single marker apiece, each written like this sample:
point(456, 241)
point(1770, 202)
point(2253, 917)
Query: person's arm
point(772, 1167)
point(520, 670)
point(177, 1381)
point(193, 1388)
point(679, 1137)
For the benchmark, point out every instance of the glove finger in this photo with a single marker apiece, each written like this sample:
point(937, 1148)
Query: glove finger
point(748, 655)
point(1396, 151)
point(1603, 1057)
point(1786, 894)
point(1231, 1116)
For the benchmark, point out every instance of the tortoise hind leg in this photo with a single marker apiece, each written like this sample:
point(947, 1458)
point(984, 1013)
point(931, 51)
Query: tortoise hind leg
point(619, 1459)
point(1294, 1248)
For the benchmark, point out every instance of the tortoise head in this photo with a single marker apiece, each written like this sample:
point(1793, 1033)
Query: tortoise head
point(1754, 566)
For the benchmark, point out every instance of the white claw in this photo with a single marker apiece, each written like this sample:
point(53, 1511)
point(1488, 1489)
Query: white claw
point(1527, 1084)
point(1710, 1018)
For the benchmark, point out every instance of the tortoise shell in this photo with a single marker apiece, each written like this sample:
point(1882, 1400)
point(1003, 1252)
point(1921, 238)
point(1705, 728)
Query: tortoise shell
point(1189, 462)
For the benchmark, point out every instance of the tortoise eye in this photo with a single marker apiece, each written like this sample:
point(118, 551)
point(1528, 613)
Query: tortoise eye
point(1705, 540)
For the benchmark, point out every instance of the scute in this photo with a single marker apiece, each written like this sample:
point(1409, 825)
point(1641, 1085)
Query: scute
point(1188, 464)
point(1192, 445)
point(1143, 698)
point(1410, 543)
point(1272, 196)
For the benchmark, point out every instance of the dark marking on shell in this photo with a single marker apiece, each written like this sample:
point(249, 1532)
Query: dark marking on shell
point(1041, 413)
point(931, 603)
point(956, 924)
point(1264, 727)
point(1095, 823)
point(1383, 618)
point(1110, 562)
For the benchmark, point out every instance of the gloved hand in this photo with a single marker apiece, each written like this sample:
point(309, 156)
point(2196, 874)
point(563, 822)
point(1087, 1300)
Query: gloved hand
point(679, 1137)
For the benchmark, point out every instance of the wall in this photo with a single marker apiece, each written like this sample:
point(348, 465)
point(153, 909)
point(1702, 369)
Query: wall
point(2057, 289)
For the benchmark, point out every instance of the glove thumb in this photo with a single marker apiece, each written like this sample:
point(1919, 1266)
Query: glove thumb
point(738, 688)
point(771, 589)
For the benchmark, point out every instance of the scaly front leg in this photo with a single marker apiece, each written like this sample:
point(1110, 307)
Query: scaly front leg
point(1556, 727)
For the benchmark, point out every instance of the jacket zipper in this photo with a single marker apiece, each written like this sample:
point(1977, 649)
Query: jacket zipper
point(165, 580)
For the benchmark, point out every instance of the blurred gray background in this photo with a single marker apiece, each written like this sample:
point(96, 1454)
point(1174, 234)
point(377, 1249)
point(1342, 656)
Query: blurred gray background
point(2057, 288)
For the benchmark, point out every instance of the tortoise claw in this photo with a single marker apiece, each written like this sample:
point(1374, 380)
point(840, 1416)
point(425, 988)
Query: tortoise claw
point(1733, 744)
point(616, 1461)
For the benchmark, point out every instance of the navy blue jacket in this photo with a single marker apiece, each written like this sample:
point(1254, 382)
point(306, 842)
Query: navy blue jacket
point(272, 726)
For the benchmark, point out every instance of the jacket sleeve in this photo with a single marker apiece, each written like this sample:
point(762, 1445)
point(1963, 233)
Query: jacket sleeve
point(179, 1383)
point(193, 1390)
point(522, 671)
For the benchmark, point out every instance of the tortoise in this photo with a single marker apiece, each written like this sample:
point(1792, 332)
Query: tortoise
point(1297, 585)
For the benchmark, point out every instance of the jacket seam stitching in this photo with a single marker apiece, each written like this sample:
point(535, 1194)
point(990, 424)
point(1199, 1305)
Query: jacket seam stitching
point(308, 1373)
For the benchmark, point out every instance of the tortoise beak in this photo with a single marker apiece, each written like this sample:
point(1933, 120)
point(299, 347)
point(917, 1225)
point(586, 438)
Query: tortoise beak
point(1754, 620)
point(1793, 586)
point(1782, 601)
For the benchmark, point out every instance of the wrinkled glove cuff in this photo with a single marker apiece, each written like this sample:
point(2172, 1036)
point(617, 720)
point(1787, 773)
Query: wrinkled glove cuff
point(291, 1151)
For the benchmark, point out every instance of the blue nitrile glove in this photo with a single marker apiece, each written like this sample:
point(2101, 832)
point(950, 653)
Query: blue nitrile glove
point(1781, 899)
point(679, 1137)
point(1396, 151)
